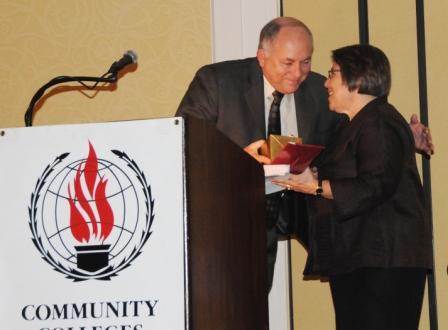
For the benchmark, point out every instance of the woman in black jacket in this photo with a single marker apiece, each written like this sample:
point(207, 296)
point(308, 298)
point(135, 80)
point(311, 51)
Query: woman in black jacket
point(368, 228)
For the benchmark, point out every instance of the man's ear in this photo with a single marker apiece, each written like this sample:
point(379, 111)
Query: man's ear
point(261, 56)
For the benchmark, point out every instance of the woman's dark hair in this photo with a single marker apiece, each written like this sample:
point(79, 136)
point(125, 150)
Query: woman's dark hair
point(364, 67)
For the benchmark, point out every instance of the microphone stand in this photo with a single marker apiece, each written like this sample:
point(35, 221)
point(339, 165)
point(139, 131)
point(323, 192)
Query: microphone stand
point(112, 78)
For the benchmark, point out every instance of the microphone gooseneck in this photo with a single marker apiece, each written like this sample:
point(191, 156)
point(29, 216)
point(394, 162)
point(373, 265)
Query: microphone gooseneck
point(111, 76)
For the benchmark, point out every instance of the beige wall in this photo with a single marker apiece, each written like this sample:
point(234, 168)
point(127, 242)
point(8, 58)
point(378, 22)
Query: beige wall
point(46, 38)
point(392, 28)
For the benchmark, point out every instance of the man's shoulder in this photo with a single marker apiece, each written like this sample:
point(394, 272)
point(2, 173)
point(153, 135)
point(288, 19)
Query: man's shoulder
point(234, 63)
point(315, 79)
point(313, 86)
point(232, 66)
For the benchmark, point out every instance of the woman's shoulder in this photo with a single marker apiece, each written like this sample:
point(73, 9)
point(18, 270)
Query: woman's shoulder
point(381, 121)
point(393, 119)
point(381, 113)
point(389, 124)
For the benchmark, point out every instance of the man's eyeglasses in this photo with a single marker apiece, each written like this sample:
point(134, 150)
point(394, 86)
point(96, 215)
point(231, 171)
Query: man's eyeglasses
point(332, 72)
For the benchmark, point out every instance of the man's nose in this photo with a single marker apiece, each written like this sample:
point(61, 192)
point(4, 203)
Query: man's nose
point(297, 70)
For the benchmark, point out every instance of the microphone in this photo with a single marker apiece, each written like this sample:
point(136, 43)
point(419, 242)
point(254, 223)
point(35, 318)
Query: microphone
point(130, 57)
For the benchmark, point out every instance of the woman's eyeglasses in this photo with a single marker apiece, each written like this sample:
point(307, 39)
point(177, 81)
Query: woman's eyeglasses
point(332, 72)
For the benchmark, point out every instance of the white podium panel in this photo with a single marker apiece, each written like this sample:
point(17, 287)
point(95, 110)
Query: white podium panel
point(92, 227)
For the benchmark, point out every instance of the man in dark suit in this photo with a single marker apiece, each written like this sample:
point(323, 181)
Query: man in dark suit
point(237, 95)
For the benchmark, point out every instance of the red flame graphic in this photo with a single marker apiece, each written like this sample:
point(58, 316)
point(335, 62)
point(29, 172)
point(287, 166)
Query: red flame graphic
point(96, 192)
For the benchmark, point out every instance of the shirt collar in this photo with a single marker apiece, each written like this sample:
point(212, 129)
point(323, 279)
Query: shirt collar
point(268, 89)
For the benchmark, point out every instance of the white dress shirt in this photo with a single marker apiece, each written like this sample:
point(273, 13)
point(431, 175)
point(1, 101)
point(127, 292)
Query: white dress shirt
point(288, 119)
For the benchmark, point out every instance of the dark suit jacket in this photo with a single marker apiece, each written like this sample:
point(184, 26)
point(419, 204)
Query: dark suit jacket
point(231, 95)
point(377, 217)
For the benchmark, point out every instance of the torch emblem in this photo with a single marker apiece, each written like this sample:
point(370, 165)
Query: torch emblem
point(91, 217)
point(87, 225)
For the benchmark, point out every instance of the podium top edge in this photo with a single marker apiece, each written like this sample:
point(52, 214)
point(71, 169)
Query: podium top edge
point(176, 120)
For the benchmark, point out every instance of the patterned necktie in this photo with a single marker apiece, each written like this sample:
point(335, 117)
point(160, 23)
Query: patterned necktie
point(274, 126)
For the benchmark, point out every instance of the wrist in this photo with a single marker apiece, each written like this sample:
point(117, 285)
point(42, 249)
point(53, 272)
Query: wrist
point(319, 190)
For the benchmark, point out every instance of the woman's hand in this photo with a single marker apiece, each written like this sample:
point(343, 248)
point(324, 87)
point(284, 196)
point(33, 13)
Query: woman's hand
point(305, 182)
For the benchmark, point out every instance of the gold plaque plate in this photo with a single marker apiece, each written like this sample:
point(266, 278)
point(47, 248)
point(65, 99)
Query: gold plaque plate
point(275, 143)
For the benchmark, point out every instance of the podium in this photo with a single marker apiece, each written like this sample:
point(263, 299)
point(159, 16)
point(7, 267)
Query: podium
point(146, 224)
point(227, 233)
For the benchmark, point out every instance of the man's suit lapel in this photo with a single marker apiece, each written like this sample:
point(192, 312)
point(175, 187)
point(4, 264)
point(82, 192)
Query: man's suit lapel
point(305, 117)
point(254, 97)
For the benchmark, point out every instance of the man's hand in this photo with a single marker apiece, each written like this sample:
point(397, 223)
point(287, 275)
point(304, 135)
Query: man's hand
point(253, 150)
point(422, 136)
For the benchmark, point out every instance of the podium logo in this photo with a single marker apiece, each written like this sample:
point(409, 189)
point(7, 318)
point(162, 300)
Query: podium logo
point(91, 217)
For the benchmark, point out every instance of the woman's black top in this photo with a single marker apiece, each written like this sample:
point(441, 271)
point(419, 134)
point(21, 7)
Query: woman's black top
point(378, 216)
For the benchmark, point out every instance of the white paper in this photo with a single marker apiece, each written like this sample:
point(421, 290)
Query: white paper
point(279, 171)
